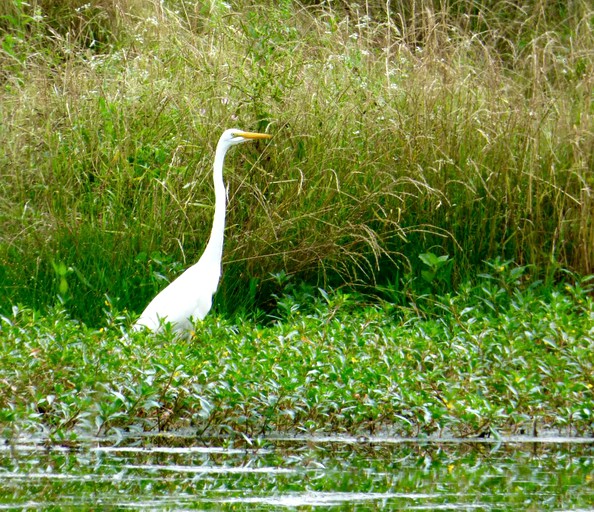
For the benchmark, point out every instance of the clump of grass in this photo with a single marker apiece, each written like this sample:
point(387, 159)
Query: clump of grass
point(395, 136)
point(498, 358)
point(66, 26)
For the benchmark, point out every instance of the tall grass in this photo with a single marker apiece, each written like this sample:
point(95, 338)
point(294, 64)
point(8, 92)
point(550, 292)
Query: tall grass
point(453, 129)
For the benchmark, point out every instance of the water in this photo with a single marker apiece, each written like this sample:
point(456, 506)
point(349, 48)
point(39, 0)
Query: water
point(182, 473)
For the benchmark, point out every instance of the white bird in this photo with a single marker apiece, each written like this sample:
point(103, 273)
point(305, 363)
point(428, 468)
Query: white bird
point(189, 297)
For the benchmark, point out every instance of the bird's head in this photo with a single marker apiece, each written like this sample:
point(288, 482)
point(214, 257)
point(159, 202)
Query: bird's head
point(233, 136)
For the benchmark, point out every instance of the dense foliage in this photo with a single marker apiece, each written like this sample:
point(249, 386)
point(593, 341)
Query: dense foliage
point(415, 145)
point(457, 129)
point(498, 358)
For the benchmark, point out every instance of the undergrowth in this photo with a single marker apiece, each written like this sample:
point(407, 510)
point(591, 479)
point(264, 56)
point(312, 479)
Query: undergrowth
point(498, 358)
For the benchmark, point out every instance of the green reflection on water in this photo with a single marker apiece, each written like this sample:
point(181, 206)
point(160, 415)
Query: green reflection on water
point(179, 473)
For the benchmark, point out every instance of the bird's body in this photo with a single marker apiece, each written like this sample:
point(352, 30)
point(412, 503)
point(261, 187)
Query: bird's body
point(189, 297)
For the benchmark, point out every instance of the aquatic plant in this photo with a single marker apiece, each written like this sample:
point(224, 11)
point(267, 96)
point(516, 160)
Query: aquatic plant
point(487, 361)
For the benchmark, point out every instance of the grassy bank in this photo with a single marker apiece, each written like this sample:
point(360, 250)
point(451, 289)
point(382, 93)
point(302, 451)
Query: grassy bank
point(500, 357)
point(461, 131)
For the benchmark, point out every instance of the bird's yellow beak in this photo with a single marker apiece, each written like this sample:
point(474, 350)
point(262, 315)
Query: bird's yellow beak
point(253, 135)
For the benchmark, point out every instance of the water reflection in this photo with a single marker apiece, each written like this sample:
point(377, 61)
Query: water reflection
point(182, 473)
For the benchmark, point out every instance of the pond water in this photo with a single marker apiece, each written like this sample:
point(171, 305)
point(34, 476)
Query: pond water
point(183, 473)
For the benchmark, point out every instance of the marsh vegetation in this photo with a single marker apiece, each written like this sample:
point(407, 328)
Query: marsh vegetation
point(408, 253)
point(462, 130)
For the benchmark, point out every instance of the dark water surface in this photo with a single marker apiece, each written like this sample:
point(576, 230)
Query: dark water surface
point(182, 473)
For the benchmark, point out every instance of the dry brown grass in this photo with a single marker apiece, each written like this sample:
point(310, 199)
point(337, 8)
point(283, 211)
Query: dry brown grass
point(394, 135)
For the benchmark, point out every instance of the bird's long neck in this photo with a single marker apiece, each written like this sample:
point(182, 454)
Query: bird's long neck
point(214, 248)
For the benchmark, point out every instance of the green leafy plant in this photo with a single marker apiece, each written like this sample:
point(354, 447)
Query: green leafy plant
point(328, 362)
point(438, 269)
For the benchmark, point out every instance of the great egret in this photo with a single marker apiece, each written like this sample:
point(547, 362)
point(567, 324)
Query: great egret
point(190, 295)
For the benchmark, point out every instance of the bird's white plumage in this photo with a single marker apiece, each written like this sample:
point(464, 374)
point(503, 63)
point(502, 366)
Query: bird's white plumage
point(189, 297)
